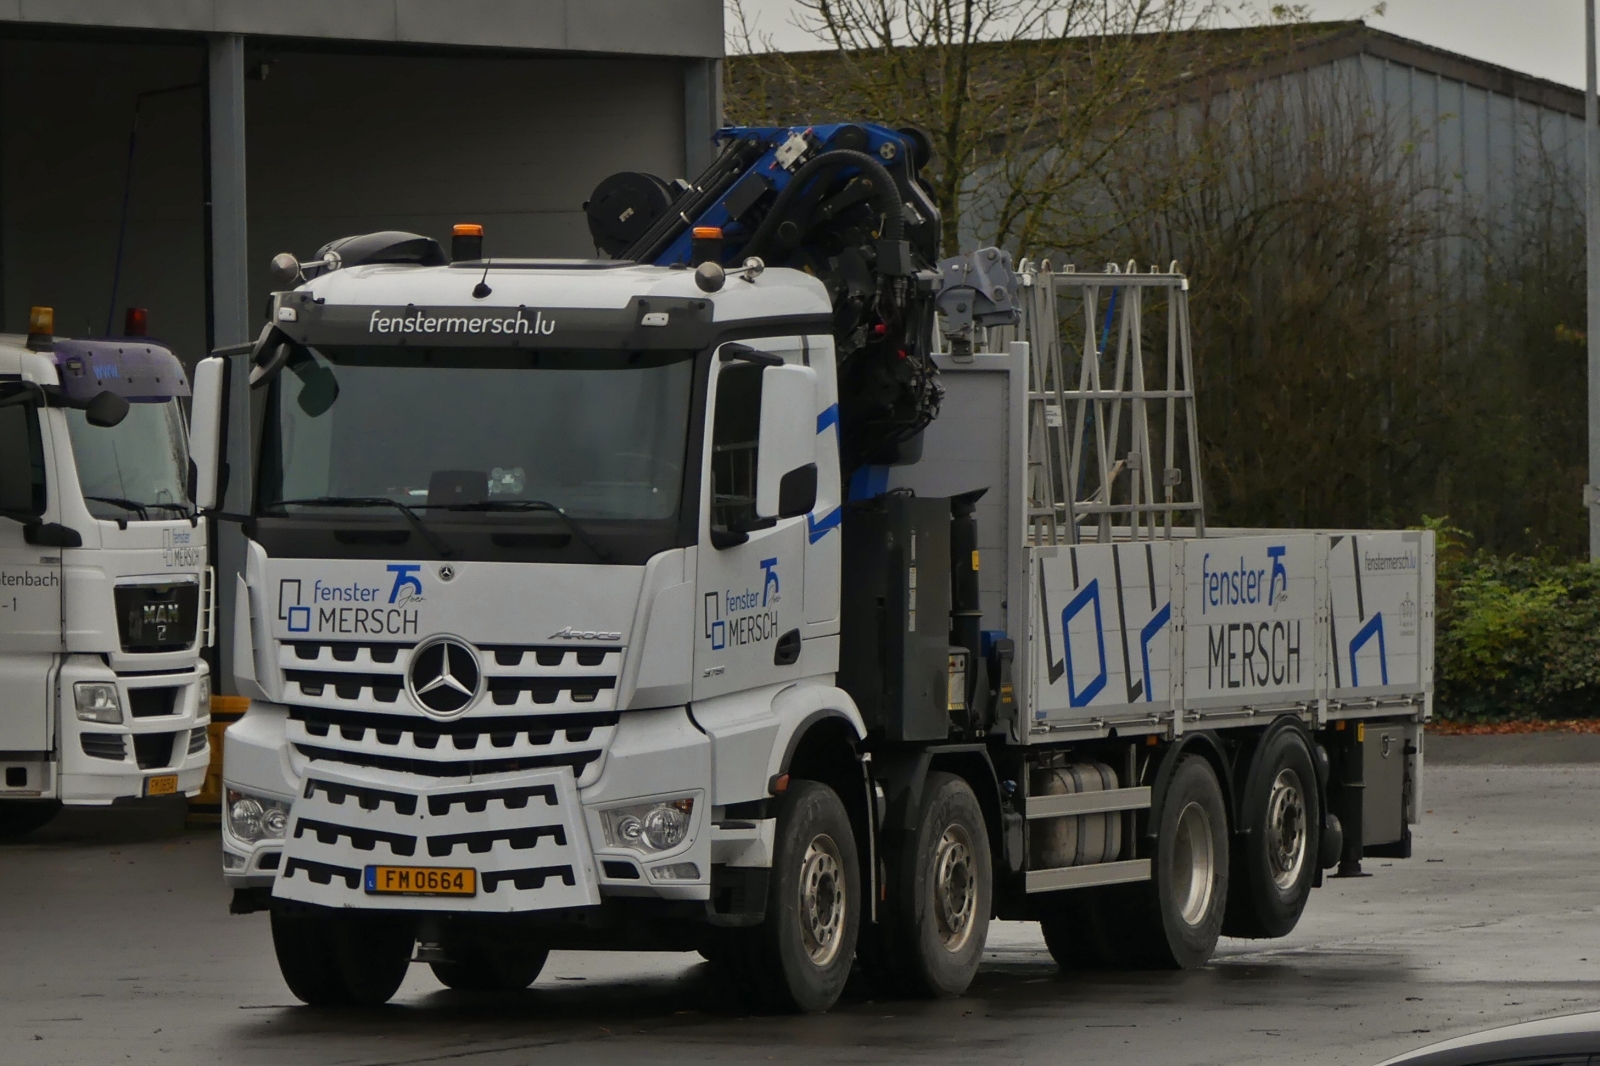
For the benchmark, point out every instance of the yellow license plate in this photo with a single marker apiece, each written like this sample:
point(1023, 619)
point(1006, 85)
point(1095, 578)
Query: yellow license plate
point(422, 880)
point(161, 785)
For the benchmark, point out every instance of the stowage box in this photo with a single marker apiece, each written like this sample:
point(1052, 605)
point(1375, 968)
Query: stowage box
point(895, 625)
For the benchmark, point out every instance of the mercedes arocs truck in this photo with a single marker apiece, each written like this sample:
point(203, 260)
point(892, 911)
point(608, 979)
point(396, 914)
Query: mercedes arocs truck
point(104, 589)
point(776, 589)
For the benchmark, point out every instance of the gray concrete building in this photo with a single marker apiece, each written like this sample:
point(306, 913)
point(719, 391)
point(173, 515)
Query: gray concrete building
point(157, 153)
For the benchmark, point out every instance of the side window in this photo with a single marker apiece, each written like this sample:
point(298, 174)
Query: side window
point(22, 489)
point(735, 432)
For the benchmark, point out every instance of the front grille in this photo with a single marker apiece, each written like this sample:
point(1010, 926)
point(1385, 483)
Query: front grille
point(474, 744)
point(104, 746)
point(197, 740)
point(371, 675)
point(157, 618)
point(151, 702)
point(153, 751)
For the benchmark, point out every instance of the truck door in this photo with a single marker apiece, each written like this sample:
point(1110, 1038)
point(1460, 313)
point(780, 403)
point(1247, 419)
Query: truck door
point(30, 579)
point(751, 581)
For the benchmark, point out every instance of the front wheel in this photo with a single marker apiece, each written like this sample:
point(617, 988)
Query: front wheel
point(477, 965)
point(21, 817)
point(334, 958)
point(799, 958)
point(942, 894)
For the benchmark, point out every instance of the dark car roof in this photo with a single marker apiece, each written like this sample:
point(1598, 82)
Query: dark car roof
point(1572, 1034)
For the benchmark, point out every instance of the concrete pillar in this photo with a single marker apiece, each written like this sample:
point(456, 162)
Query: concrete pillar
point(702, 112)
point(230, 290)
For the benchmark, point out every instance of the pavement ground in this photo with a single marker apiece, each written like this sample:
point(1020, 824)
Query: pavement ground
point(119, 949)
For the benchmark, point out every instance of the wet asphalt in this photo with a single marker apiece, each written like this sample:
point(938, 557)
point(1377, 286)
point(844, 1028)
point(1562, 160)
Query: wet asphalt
point(119, 949)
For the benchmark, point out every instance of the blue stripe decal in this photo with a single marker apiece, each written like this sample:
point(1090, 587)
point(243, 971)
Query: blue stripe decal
point(818, 527)
point(830, 417)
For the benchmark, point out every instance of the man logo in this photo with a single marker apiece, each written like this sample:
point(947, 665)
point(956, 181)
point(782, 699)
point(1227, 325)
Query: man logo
point(444, 677)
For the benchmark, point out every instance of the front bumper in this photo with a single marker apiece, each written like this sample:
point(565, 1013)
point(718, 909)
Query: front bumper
point(102, 762)
point(534, 836)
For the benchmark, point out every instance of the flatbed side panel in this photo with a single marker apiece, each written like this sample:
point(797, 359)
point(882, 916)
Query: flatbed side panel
point(1250, 614)
point(1379, 614)
point(1103, 618)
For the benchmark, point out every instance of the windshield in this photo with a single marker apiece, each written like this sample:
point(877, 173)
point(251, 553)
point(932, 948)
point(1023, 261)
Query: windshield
point(137, 469)
point(597, 434)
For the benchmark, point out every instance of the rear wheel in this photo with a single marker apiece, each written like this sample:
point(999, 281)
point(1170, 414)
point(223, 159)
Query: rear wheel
point(21, 817)
point(1276, 855)
point(1188, 895)
point(799, 958)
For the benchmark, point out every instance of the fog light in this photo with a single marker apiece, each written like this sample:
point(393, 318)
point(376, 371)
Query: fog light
point(97, 701)
point(658, 826)
point(678, 871)
point(252, 818)
point(230, 861)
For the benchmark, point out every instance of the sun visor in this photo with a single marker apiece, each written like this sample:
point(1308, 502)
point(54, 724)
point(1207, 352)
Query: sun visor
point(643, 323)
point(138, 371)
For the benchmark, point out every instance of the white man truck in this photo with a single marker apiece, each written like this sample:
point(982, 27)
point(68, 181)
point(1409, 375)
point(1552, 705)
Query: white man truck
point(692, 600)
point(104, 594)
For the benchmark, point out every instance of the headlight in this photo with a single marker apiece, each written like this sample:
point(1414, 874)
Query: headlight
point(252, 818)
point(202, 695)
point(97, 702)
point(658, 826)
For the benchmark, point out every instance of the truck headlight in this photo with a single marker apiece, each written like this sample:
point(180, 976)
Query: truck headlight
point(202, 696)
point(658, 826)
point(97, 702)
point(252, 818)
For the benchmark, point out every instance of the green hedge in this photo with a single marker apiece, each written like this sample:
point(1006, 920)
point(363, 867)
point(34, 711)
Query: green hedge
point(1517, 636)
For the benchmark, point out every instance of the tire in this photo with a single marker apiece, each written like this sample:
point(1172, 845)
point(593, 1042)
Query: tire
point(1075, 928)
point(1276, 852)
point(942, 892)
point(331, 959)
point(478, 966)
point(798, 960)
point(302, 938)
point(1172, 921)
point(21, 817)
point(374, 954)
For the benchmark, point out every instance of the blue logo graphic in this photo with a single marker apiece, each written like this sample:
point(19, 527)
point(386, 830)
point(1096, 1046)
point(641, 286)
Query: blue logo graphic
point(1373, 628)
point(716, 628)
point(769, 567)
point(1278, 570)
point(405, 577)
point(299, 619)
point(1089, 596)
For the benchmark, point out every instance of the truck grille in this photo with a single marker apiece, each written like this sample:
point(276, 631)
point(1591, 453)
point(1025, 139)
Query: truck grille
point(470, 746)
point(104, 746)
point(351, 675)
point(157, 618)
point(151, 702)
point(153, 751)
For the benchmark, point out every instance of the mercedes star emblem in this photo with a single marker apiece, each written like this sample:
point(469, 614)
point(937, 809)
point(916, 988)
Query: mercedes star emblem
point(444, 677)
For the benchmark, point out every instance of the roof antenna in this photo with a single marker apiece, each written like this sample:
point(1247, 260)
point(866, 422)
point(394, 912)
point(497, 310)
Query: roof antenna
point(481, 289)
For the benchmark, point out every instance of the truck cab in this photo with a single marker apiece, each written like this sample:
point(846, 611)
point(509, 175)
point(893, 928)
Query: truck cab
point(104, 594)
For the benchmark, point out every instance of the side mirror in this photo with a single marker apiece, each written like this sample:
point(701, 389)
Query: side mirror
point(106, 410)
point(205, 428)
point(788, 442)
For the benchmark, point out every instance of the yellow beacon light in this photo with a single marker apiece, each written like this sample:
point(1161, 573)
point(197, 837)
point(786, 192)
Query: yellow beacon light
point(41, 326)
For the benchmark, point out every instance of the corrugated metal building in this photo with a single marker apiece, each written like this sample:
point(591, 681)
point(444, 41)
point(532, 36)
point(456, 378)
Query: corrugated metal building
point(268, 127)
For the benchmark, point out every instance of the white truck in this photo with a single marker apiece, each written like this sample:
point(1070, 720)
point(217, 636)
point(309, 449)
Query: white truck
point(104, 587)
point(691, 600)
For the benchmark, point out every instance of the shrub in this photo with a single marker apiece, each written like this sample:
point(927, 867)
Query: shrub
point(1516, 635)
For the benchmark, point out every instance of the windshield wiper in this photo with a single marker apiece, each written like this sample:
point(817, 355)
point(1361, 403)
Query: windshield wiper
point(128, 505)
point(537, 505)
point(438, 543)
